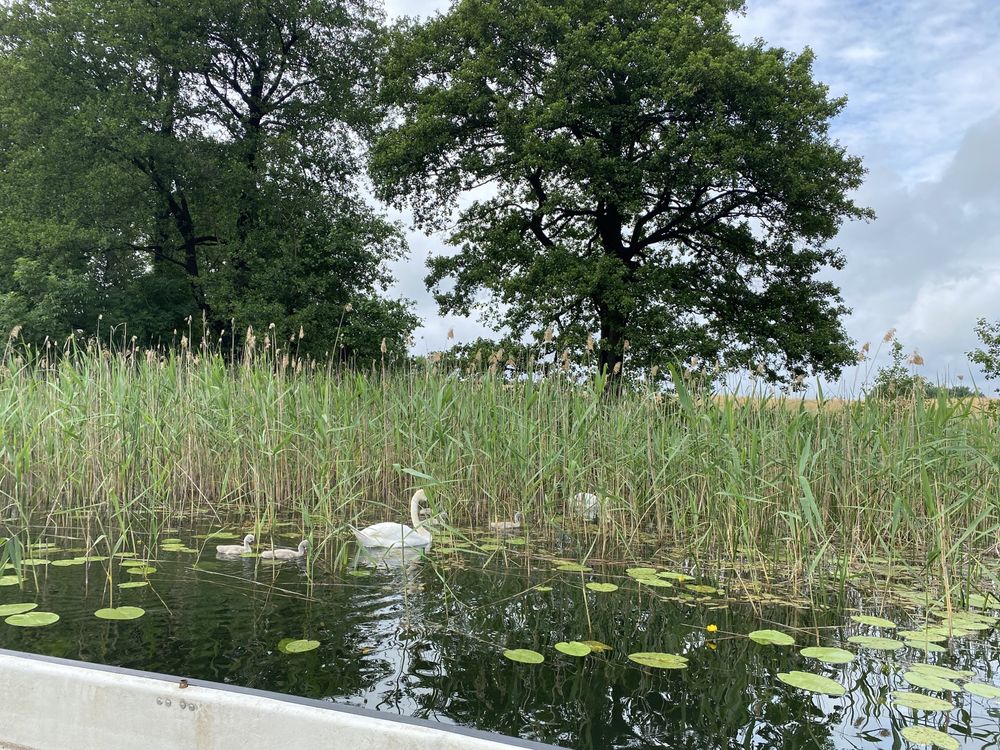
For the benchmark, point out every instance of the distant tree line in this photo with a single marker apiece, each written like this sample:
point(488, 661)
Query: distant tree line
point(626, 177)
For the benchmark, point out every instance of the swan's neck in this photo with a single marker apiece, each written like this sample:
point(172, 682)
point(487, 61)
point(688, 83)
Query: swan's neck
point(418, 522)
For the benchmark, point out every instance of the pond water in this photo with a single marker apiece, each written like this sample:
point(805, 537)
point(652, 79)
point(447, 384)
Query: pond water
point(426, 637)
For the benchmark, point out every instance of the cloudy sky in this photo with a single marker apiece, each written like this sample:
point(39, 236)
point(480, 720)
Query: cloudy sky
point(921, 77)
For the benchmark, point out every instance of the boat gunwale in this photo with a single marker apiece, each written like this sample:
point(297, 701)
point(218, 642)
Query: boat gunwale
point(298, 700)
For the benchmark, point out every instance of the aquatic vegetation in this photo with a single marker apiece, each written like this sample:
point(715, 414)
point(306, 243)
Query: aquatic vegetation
point(659, 660)
point(573, 648)
point(604, 588)
point(769, 637)
point(32, 619)
point(120, 613)
point(828, 655)
point(919, 701)
point(878, 622)
point(524, 655)
point(813, 683)
point(874, 642)
point(930, 736)
point(6, 610)
point(300, 646)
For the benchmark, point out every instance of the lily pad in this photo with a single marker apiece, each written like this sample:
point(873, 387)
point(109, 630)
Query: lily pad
point(931, 682)
point(359, 573)
point(573, 568)
point(68, 563)
point(133, 585)
point(7, 610)
point(543, 588)
point(32, 619)
point(120, 613)
point(640, 572)
point(573, 648)
point(878, 622)
point(828, 655)
point(659, 660)
point(524, 655)
point(879, 644)
point(771, 638)
point(921, 635)
point(814, 683)
point(929, 736)
point(301, 646)
point(984, 602)
point(604, 588)
point(938, 671)
point(597, 647)
point(134, 563)
point(674, 576)
point(992, 692)
point(919, 701)
point(9, 580)
point(144, 570)
point(699, 588)
point(34, 561)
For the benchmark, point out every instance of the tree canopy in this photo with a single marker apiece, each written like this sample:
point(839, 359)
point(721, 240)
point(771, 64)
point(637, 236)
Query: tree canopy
point(160, 161)
point(629, 168)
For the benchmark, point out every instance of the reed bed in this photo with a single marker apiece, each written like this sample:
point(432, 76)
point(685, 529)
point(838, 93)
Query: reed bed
point(135, 435)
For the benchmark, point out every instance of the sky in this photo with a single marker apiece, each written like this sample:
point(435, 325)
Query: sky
point(923, 112)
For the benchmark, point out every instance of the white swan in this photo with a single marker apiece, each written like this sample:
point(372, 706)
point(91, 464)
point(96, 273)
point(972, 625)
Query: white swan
point(389, 534)
point(586, 505)
point(286, 554)
point(236, 549)
point(508, 525)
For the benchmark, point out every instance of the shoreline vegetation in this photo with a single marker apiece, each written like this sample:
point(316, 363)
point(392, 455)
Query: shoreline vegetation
point(127, 437)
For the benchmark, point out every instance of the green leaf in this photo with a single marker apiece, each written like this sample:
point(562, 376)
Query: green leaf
point(604, 588)
point(929, 736)
point(659, 660)
point(930, 682)
point(133, 585)
point(991, 692)
point(6, 610)
point(301, 646)
point(32, 619)
point(828, 655)
point(878, 622)
point(573, 648)
point(9, 580)
point(120, 613)
point(937, 671)
point(640, 572)
point(919, 701)
point(771, 638)
point(597, 647)
point(920, 635)
point(524, 655)
point(925, 646)
point(573, 568)
point(143, 570)
point(814, 683)
point(655, 582)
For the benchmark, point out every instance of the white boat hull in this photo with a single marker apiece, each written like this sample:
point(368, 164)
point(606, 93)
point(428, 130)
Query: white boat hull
point(58, 704)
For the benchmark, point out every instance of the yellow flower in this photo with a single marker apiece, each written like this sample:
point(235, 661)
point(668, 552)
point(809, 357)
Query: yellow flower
point(712, 628)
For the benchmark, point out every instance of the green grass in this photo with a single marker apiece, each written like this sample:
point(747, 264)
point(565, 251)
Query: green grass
point(134, 437)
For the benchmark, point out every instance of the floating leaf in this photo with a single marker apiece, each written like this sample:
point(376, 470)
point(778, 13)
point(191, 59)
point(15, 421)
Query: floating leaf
point(120, 613)
point(921, 635)
point(983, 691)
point(771, 638)
point(878, 622)
point(524, 655)
point(674, 576)
point(9, 580)
point(701, 588)
point(929, 736)
point(828, 655)
point(32, 619)
point(543, 588)
point(934, 669)
point(659, 660)
point(67, 563)
point(573, 648)
point(984, 602)
point(517, 541)
point(920, 702)
point(6, 610)
point(814, 683)
point(300, 647)
point(604, 588)
point(490, 547)
point(134, 563)
point(597, 647)
point(880, 644)
point(124, 554)
point(952, 632)
point(33, 561)
point(359, 573)
point(145, 570)
point(573, 568)
point(640, 572)
point(930, 682)
point(133, 585)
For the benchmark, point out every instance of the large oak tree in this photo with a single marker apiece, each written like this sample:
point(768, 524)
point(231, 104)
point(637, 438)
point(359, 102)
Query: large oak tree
point(635, 171)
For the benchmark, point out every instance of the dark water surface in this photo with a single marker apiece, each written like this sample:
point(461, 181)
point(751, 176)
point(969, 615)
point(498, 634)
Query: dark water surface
point(425, 638)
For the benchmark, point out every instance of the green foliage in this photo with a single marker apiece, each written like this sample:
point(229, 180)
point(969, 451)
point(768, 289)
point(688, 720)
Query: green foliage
point(655, 181)
point(899, 381)
point(172, 160)
point(988, 357)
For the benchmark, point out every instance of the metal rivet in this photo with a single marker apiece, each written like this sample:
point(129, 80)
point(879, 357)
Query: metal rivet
point(167, 702)
point(190, 707)
point(159, 701)
point(183, 705)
